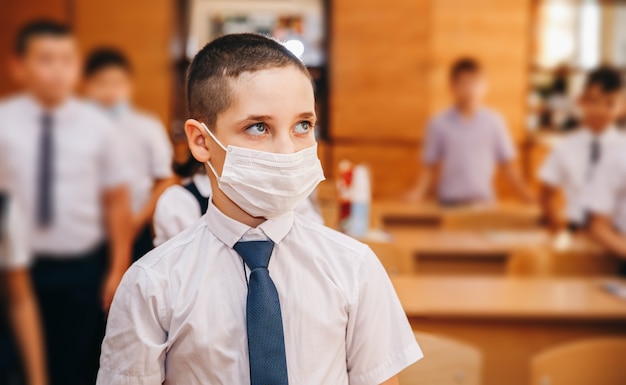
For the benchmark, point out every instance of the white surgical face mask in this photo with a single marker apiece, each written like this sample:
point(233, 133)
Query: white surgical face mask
point(265, 184)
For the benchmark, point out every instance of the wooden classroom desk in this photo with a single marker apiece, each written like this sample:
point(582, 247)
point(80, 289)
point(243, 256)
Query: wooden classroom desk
point(386, 214)
point(511, 319)
point(440, 251)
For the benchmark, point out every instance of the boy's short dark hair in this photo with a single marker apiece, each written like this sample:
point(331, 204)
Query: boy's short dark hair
point(225, 58)
point(38, 28)
point(607, 78)
point(464, 65)
point(106, 57)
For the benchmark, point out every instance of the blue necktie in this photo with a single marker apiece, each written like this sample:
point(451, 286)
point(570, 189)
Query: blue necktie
point(266, 341)
point(45, 170)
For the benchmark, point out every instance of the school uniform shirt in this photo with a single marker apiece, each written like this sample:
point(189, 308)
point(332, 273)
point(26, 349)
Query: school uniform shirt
point(149, 153)
point(179, 314)
point(606, 193)
point(177, 209)
point(468, 149)
point(88, 160)
point(14, 252)
point(570, 166)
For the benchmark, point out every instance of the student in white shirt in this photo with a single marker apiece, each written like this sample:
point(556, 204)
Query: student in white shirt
point(205, 307)
point(572, 164)
point(108, 82)
point(22, 312)
point(180, 206)
point(62, 157)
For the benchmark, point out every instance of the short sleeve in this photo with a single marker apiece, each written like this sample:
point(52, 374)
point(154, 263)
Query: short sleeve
point(114, 170)
point(504, 149)
point(433, 144)
point(602, 194)
point(14, 249)
point(176, 210)
point(162, 153)
point(134, 347)
point(380, 341)
point(551, 172)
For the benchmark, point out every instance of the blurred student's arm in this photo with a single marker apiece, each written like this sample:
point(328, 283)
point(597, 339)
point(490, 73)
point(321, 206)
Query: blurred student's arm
point(549, 207)
point(432, 152)
point(133, 350)
point(423, 185)
point(601, 199)
point(146, 214)
point(602, 230)
point(118, 218)
point(25, 320)
point(175, 211)
point(515, 179)
point(505, 154)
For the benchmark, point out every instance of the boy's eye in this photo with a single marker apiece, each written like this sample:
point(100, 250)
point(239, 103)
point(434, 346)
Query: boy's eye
point(256, 129)
point(303, 127)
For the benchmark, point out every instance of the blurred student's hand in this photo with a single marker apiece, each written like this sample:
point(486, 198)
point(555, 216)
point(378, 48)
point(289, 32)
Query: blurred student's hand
point(111, 283)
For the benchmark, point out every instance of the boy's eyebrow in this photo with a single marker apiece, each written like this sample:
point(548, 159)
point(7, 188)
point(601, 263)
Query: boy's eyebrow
point(307, 115)
point(262, 118)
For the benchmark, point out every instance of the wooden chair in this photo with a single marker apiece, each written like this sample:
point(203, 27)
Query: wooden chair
point(446, 362)
point(595, 361)
point(395, 259)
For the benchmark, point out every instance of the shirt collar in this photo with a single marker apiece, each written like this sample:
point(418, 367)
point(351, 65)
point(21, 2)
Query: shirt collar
point(608, 135)
point(36, 109)
point(230, 231)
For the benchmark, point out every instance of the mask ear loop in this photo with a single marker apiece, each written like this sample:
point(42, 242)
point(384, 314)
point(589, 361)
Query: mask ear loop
point(218, 143)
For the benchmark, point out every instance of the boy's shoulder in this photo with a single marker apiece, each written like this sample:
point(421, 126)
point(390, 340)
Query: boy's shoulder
point(11, 105)
point(319, 234)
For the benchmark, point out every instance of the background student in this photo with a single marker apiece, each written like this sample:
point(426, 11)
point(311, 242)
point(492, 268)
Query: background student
point(180, 206)
point(62, 157)
point(108, 82)
point(572, 164)
point(465, 143)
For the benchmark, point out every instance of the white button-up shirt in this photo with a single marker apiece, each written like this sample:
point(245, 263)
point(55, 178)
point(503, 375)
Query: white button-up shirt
point(89, 159)
point(149, 154)
point(179, 315)
point(606, 194)
point(569, 166)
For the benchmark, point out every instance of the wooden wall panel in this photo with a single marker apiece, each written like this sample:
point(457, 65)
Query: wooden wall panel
point(13, 14)
point(379, 52)
point(143, 30)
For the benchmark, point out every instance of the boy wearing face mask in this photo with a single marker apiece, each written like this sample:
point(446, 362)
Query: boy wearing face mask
point(108, 82)
point(255, 293)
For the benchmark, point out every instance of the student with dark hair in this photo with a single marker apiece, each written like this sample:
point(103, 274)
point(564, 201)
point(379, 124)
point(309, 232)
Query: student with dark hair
point(62, 158)
point(572, 164)
point(109, 83)
point(465, 143)
point(254, 293)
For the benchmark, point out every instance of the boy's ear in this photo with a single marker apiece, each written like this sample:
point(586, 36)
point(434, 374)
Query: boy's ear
point(196, 141)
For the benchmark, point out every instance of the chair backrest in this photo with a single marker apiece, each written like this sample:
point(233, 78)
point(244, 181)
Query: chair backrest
point(395, 259)
point(446, 362)
point(593, 361)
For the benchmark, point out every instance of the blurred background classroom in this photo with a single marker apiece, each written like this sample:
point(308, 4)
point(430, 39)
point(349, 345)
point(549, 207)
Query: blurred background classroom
point(502, 290)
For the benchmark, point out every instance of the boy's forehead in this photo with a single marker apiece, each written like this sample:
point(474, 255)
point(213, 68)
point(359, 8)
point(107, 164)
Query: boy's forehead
point(287, 88)
point(596, 91)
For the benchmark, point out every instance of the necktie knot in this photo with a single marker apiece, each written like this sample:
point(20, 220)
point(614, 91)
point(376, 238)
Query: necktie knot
point(256, 254)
